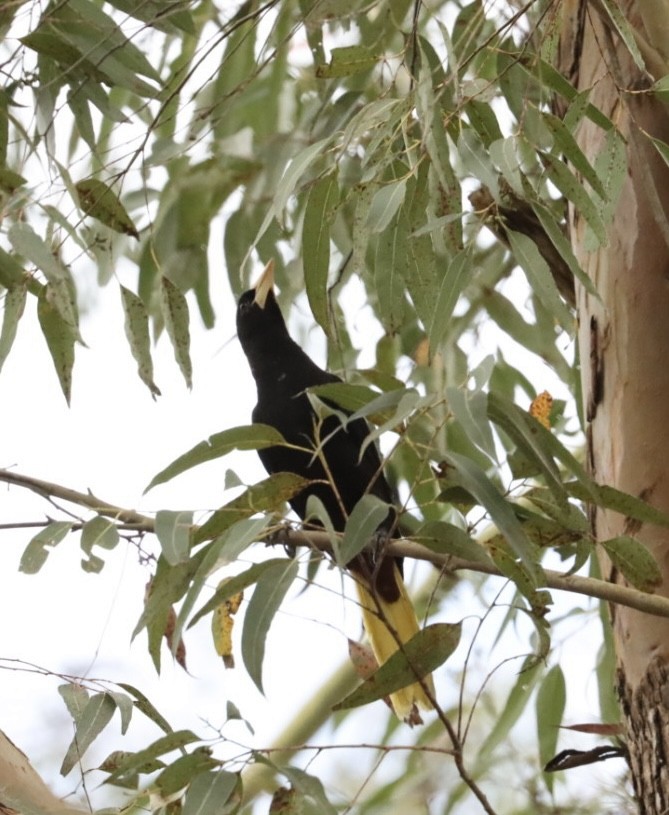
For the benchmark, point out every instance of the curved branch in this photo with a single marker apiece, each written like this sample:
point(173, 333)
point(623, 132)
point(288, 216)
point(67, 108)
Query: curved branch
point(591, 587)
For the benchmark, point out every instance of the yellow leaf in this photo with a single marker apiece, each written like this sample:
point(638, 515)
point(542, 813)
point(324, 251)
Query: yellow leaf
point(222, 623)
point(541, 408)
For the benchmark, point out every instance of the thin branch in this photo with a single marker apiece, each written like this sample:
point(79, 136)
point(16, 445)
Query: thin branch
point(74, 528)
point(589, 586)
point(47, 489)
point(386, 748)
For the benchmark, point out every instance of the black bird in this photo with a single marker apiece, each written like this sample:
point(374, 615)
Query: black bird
point(331, 459)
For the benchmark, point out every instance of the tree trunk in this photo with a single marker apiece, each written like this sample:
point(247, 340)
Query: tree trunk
point(624, 344)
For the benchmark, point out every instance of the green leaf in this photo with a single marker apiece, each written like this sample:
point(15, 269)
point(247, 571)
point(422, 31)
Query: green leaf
point(475, 481)
point(625, 31)
point(15, 301)
point(37, 551)
point(417, 263)
point(209, 793)
point(554, 447)
point(245, 437)
point(268, 594)
point(75, 697)
point(346, 61)
point(550, 705)
point(311, 788)
point(134, 762)
point(137, 332)
point(360, 238)
point(425, 651)
point(539, 277)
point(445, 538)
point(476, 160)
point(361, 527)
point(94, 718)
point(661, 147)
point(319, 212)
point(101, 532)
point(568, 515)
point(634, 561)
point(457, 276)
point(79, 105)
point(552, 79)
point(61, 292)
point(173, 530)
point(561, 243)
point(268, 495)
point(167, 587)
point(510, 710)
point(10, 181)
point(521, 427)
point(469, 410)
point(50, 43)
point(572, 189)
point(174, 308)
point(291, 177)
point(225, 549)
point(611, 166)
point(165, 15)
point(602, 495)
point(568, 145)
point(348, 396)
point(11, 271)
point(99, 201)
point(388, 282)
point(146, 707)
point(385, 204)
point(510, 567)
point(124, 705)
point(180, 772)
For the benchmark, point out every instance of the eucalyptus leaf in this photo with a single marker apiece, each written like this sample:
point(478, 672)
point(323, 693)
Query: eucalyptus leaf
point(425, 651)
point(270, 590)
point(245, 437)
point(93, 719)
point(137, 333)
point(319, 213)
point(550, 706)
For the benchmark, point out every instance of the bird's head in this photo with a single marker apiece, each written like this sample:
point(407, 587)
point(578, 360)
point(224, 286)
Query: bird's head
point(258, 315)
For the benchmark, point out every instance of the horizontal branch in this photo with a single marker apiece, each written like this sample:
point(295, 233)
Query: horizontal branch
point(48, 489)
point(589, 586)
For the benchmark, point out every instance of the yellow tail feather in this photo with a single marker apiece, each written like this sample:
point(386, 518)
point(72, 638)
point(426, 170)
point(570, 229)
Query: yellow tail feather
point(385, 624)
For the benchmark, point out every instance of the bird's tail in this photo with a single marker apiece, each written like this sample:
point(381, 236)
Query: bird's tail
point(386, 622)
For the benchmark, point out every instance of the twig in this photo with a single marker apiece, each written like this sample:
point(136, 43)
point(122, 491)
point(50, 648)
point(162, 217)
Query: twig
point(47, 489)
point(387, 748)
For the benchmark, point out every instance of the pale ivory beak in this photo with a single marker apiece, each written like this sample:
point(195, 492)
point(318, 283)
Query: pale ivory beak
point(264, 285)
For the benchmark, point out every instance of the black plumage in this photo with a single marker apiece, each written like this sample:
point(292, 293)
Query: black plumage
point(331, 459)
